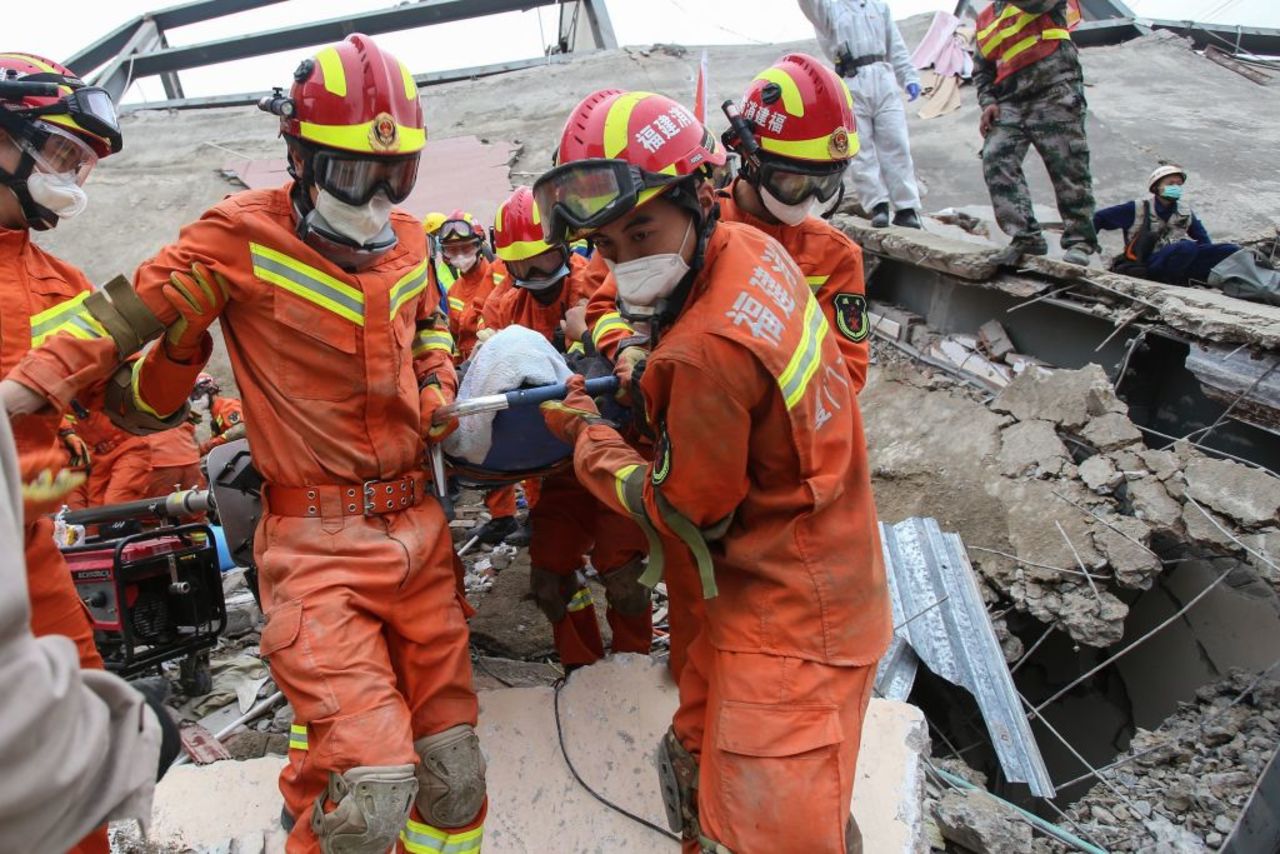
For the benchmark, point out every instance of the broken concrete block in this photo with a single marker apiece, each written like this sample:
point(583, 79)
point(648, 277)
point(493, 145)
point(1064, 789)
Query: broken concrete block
point(1151, 503)
point(969, 361)
point(969, 342)
point(1099, 474)
point(1244, 493)
point(1020, 363)
point(1032, 447)
point(882, 325)
point(1161, 463)
point(1133, 565)
point(995, 340)
point(980, 823)
point(1067, 398)
point(1111, 432)
point(1201, 530)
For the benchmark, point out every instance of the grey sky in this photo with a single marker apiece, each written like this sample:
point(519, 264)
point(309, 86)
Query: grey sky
point(496, 39)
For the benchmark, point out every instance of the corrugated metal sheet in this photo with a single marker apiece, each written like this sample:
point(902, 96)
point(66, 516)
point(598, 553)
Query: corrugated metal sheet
point(939, 617)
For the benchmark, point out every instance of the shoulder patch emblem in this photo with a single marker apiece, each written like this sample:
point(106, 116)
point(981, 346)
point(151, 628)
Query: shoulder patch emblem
point(663, 469)
point(851, 317)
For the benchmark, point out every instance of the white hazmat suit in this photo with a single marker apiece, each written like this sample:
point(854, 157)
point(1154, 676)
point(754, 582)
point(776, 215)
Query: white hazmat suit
point(883, 171)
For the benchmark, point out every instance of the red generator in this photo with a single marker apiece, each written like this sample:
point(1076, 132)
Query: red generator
point(154, 597)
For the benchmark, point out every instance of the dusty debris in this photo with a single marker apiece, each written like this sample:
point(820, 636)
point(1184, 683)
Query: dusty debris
point(1033, 448)
point(1069, 399)
point(980, 824)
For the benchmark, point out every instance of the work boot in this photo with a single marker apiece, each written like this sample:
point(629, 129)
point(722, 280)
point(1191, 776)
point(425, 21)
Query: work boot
point(880, 215)
point(523, 534)
point(1019, 249)
point(1078, 255)
point(496, 530)
point(907, 218)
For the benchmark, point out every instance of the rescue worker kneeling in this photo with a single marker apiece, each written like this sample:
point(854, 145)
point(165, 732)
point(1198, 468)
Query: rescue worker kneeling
point(567, 521)
point(761, 470)
point(333, 326)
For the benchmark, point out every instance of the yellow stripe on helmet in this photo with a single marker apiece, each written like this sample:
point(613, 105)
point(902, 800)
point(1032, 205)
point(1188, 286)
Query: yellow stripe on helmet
point(357, 137)
point(792, 100)
point(410, 86)
point(820, 149)
point(522, 250)
point(617, 124)
point(335, 77)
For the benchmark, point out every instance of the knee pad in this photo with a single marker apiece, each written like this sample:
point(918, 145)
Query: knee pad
point(451, 777)
point(548, 592)
point(373, 804)
point(623, 590)
point(678, 780)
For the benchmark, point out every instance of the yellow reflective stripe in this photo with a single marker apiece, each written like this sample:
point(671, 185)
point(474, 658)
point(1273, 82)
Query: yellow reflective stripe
point(809, 149)
point(1006, 17)
point(410, 85)
point(445, 274)
point(608, 323)
point(498, 278)
point(617, 124)
point(1032, 41)
point(792, 100)
point(69, 317)
point(298, 737)
point(576, 347)
point(816, 282)
point(419, 838)
point(410, 285)
point(581, 600)
point(335, 78)
point(432, 339)
point(523, 250)
point(356, 137)
point(138, 402)
point(808, 356)
point(307, 282)
point(620, 487)
point(456, 304)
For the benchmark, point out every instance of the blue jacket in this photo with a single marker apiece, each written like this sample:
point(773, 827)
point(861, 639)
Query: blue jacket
point(1122, 217)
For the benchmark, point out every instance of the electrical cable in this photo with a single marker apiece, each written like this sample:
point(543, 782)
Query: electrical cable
point(590, 791)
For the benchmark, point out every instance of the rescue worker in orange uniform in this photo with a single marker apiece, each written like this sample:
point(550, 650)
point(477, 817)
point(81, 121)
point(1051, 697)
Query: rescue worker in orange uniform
point(53, 130)
point(567, 522)
point(761, 470)
point(794, 131)
point(226, 414)
point(342, 355)
point(462, 245)
point(128, 467)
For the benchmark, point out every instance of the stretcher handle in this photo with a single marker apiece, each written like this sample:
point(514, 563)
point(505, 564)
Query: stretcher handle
point(520, 397)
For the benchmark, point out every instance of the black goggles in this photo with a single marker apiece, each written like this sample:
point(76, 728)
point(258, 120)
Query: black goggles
point(792, 183)
point(546, 272)
point(578, 198)
point(354, 179)
point(90, 107)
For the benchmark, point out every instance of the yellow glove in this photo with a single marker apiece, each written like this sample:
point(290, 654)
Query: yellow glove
point(431, 399)
point(199, 298)
point(77, 450)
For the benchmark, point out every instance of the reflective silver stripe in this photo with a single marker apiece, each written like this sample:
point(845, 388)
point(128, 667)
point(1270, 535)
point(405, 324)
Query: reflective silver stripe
point(408, 288)
point(308, 283)
point(804, 362)
point(424, 839)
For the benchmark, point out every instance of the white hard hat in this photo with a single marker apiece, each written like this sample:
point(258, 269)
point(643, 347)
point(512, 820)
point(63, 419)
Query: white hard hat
point(1163, 172)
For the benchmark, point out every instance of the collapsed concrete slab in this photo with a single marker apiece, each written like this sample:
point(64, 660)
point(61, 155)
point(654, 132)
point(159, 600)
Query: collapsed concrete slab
point(612, 715)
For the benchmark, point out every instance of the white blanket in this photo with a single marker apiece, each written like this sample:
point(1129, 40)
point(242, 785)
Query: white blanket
point(511, 359)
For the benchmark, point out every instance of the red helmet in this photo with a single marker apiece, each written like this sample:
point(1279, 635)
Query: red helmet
point(84, 111)
point(619, 150)
point(517, 228)
point(460, 227)
point(801, 110)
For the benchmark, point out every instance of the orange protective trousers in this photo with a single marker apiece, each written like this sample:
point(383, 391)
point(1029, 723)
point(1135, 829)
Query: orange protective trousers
point(568, 523)
point(366, 636)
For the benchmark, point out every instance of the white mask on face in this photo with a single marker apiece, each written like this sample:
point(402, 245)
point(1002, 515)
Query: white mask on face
point(787, 214)
point(61, 195)
point(645, 282)
point(463, 263)
point(358, 223)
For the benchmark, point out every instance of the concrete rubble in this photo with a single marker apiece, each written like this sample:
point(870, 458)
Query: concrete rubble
point(612, 715)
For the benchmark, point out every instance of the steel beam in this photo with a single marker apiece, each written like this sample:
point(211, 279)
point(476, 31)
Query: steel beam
point(601, 26)
point(1102, 10)
point(186, 14)
point(405, 17)
point(116, 76)
point(1261, 41)
point(87, 59)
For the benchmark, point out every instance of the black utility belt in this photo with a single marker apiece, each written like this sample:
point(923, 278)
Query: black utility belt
point(847, 66)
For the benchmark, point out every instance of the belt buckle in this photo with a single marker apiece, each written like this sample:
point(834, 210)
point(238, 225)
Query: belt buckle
point(367, 490)
point(392, 489)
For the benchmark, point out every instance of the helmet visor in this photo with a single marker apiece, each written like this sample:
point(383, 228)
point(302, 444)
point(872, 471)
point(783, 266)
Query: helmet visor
point(580, 197)
point(458, 231)
point(793, 185)
point(354, 179)
point(92, 110)
point(541, 271)
point(58, 152)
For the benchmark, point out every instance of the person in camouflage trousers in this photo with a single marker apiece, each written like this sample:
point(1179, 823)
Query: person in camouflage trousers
point(1031, 88)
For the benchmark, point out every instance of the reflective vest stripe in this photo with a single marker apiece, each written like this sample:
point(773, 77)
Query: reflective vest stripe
point(1032, 41)
point(432, 339)
point(988, 42)
point(816, 282)
point(608, 323)
point(577, 348)
point(445, 274)
point(625, 487)
point(405, 290)
point(1015, 39)
point(807, 358)
point(298, 737)
point(456, 304)
point(307, 282)
point(581, 600)
point(419, 838)
point(69, 317)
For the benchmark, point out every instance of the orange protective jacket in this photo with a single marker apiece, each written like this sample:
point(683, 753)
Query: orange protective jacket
point(224, 413)
point(294, 326)
point(466, 301)
point(748, 392)
point(832, 266)
point(513, 305)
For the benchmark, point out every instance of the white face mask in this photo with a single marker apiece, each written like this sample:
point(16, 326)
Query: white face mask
point(787, 214)
point(61, 195)
point(645, 282)
point(358, 223)
point(463, 263)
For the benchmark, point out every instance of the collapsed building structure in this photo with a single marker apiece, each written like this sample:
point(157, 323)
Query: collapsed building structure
point(1104, 449)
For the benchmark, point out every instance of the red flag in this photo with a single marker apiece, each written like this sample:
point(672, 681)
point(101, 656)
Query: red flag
point(700, 93)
